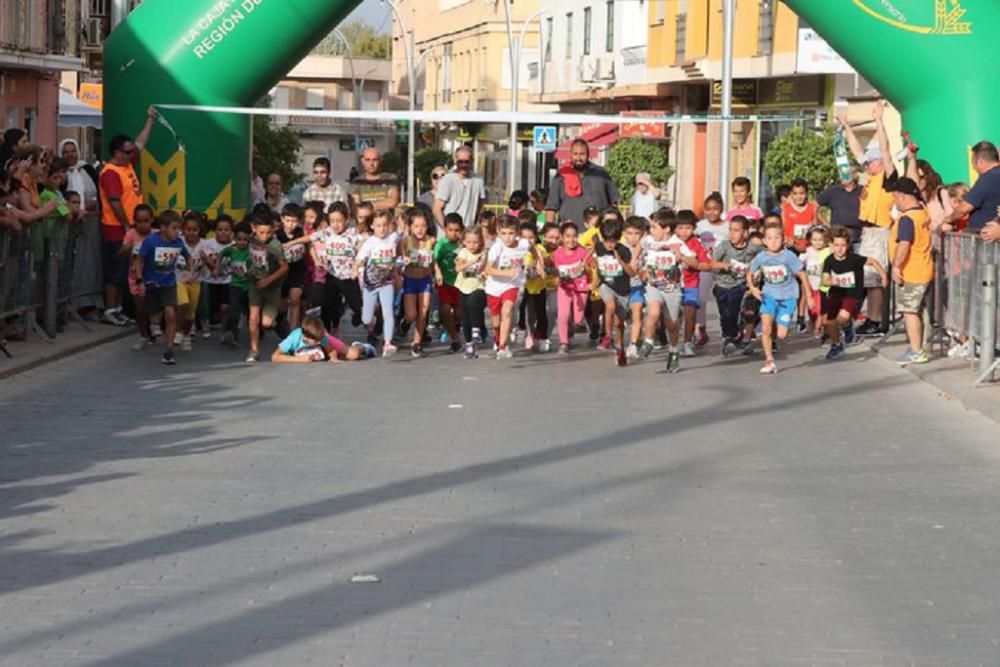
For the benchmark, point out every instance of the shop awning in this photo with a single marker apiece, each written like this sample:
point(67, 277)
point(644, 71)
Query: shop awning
point(74, 113)
point(597, 137)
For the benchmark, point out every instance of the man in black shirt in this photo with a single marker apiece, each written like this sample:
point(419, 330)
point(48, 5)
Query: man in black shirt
point(844, 202)
point(579, 185)
point(844, 274)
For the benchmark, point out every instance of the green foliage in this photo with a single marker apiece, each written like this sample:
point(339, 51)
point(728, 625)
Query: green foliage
point(392, 162)
point(424, 161)
point(802, 153)
point(364, 42)
point(629, 157)
point(276, 149)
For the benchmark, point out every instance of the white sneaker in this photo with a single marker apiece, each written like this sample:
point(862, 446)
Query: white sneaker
point(505, 353)
point(529, 342)
point(179, 338)
point(544, 345)
point(142, 344)
point(206, 333)
point(155, 330)
point(632, 352)
point(769, 369)
point(186, 344)
point(687, 350)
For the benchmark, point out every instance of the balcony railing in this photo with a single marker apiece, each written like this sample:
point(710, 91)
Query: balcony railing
point(679, 50)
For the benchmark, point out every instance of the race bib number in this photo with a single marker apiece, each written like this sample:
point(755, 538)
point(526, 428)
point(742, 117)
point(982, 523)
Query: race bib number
point(530, 270)
point(238, 268)
point(510, 262)
point(609, 267)
point(166, 259)
point(258, 258)
point(800, 231)
point(776, 274)
point(843, 280)
point(708, 240)
point(738, 268)
point(295, 253)
point(312, 353)
point(384, 257)
point(570, 272)
point(814, 269)
point(421, 259)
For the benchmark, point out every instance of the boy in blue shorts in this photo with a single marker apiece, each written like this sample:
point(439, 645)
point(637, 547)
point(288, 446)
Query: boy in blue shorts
point(783, 274)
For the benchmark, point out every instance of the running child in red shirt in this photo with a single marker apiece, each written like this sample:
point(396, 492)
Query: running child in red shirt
point(684, 229)
point(798, 215)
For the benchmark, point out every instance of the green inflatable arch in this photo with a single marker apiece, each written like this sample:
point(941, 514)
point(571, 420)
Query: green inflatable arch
point(205, 52)
point(931, 58)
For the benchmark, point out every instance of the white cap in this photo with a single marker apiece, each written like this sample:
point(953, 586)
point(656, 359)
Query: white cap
point(873, 154)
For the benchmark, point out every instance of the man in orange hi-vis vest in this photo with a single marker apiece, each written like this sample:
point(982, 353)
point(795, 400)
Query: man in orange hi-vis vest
point(120, 193)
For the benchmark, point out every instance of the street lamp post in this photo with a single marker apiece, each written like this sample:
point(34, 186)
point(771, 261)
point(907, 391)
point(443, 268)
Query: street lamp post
point(728, 16)
point(515, 80)
point(354, 81)
point(408, 45)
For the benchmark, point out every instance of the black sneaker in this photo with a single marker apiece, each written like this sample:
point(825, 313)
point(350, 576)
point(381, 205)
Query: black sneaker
point(869, 328)
point(645, 350)
point(404, 328)
point(595, 334)
point(456, 346)
point(355, 320)
point(168, 358)
point(417, 351)
point(674, 362)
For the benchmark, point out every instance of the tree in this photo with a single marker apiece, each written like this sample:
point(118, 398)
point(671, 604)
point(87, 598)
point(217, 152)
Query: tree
point(364, 42)
point(802, 153)
point(276, 149)
point(426, 159)
point(629, 157)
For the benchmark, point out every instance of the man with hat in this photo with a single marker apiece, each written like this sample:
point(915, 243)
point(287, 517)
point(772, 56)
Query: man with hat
point(875, 212)
point(912, 266)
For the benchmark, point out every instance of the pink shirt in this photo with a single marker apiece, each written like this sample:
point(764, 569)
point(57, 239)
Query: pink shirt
point(572, 268)
point(750, 211)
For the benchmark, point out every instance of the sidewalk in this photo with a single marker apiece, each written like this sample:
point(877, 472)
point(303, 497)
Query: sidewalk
point(953, 377)
point(35, 352)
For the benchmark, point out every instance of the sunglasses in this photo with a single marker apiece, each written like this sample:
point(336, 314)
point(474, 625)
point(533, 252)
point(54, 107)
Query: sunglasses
point(463, 161)
point(436, 176)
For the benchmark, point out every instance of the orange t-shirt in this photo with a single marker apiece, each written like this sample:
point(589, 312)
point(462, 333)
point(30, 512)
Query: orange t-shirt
point(797, 223)
point(918, 269)
point(121, 183)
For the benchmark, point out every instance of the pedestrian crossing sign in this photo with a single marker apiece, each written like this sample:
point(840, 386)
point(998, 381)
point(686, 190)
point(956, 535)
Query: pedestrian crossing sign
point(545, 138)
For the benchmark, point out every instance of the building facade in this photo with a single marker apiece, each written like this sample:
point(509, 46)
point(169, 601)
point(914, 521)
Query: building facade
point(462, 62)
point(38, 40)
point(780, 67)
point(329, 83)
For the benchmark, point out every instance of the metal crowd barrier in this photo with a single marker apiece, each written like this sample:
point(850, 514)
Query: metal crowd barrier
point(37, 296)
point(969, 281)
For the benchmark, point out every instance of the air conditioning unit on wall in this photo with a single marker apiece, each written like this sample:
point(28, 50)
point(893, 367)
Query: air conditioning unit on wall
point(589, 69)
point(606, 68)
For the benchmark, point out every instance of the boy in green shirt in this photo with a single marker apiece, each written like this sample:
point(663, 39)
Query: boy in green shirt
point(268, 268)
point(53, 226)
point(234, 260)
point(445, 274)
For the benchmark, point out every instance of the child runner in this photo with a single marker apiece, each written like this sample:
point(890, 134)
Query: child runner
point(571, 260)
point(488, 227)
point(189, 275)
point(268, 268)
point(536, 316)
point(505, 278)
point(844, 275)
point(375, 265)
point(293, 287)
point(445, 275)
point(813, 258)
point(743, 201)
point(614, 265)
point(469, 266)
point(732, 258)
point(417, 251)
point(798, 214)
point(157, 264)
point(711, 231)
point(143, 218)
point(685, 231)
point(664, 254)
point(311, 343)
point(589, 239)
point(912, 265)
point(234, 260)
point(635, 229)
point(551, 240)
point(217, 284)
point(780, 295)
point(340, 246)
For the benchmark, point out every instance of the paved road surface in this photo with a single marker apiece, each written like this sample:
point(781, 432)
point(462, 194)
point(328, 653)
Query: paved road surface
point(535, 512)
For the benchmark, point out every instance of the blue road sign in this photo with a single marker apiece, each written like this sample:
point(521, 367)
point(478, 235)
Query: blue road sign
point(545, 138)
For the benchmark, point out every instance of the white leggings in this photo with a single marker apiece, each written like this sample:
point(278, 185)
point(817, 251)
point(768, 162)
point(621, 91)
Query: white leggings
point(381, 295)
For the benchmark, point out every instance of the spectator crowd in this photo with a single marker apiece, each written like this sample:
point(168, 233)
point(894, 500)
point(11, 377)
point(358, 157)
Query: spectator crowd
point(563, 263)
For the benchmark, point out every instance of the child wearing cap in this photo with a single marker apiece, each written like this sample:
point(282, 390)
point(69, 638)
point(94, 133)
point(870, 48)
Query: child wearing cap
point(646, 196)
point(912, 266)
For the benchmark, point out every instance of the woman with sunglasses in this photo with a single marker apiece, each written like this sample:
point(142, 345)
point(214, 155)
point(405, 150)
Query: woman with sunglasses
point(427, 199)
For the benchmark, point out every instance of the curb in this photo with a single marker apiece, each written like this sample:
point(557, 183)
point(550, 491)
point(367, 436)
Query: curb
point(953, 378)
point(66, 352)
